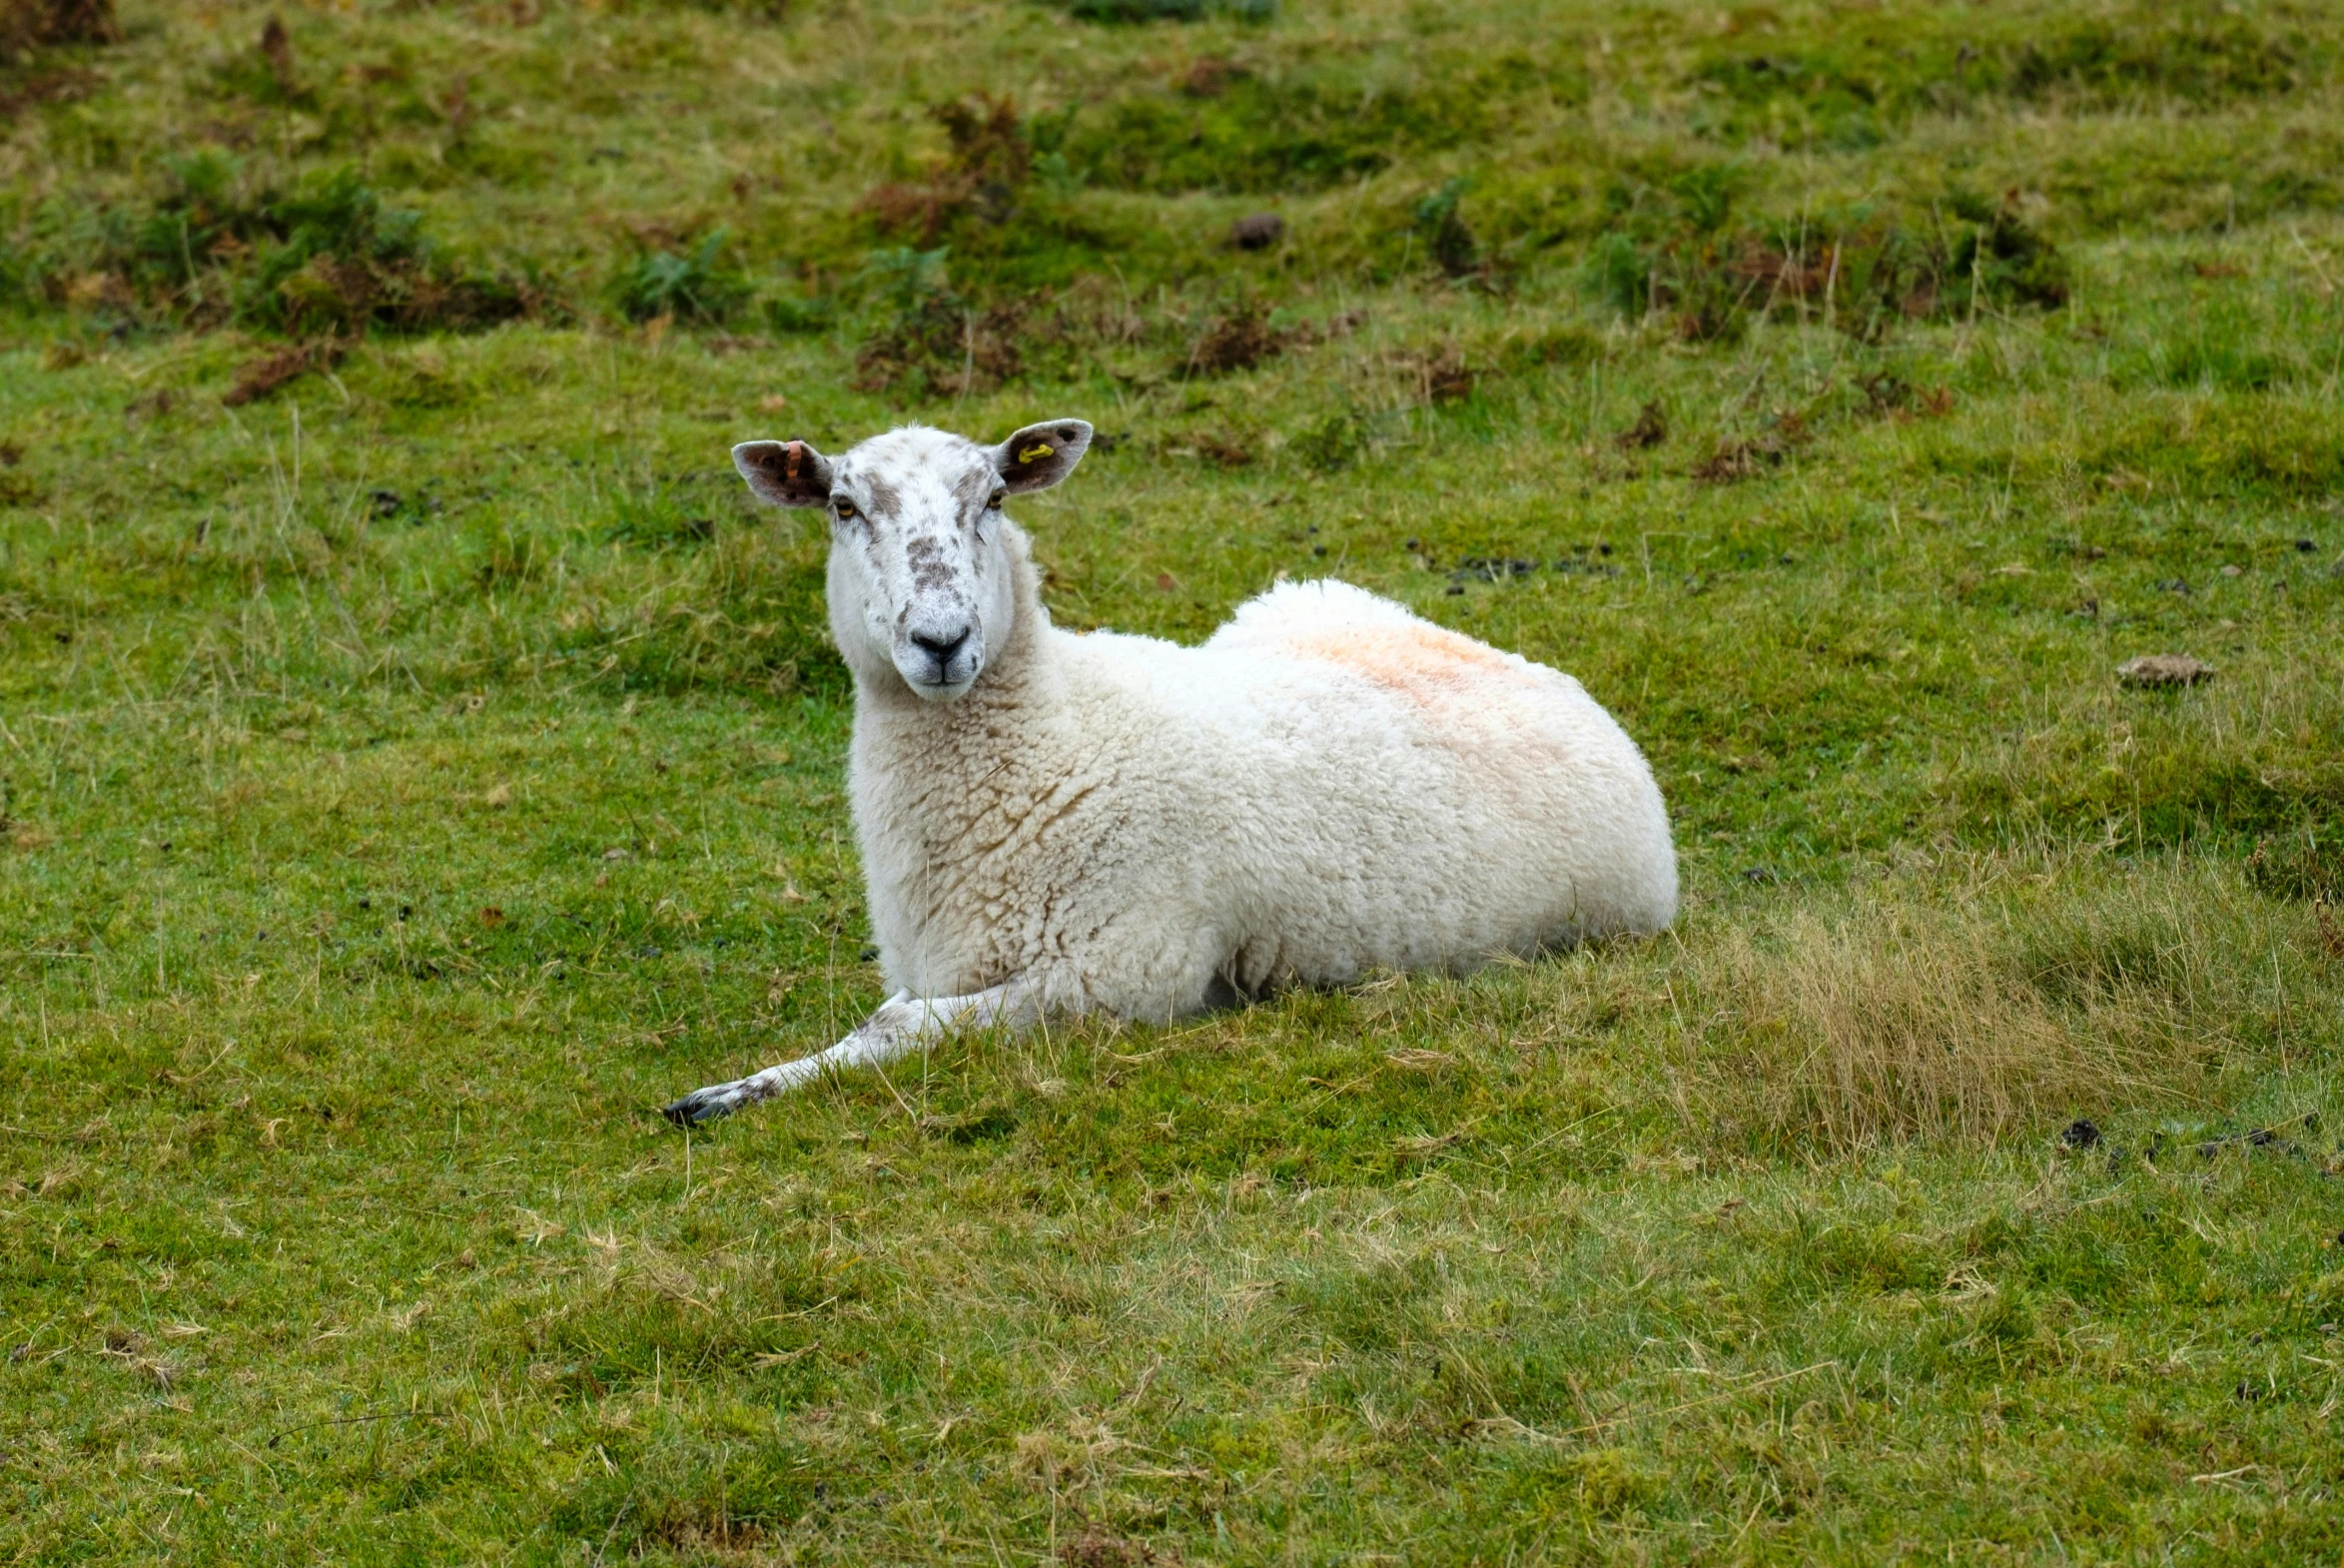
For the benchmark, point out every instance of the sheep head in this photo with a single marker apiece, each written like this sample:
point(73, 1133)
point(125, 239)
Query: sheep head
point(920, 584)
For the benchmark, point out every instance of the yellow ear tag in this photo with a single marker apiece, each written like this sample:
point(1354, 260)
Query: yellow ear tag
point(1037, 452)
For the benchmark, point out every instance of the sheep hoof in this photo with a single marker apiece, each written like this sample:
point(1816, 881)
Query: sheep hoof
point(702, 1104)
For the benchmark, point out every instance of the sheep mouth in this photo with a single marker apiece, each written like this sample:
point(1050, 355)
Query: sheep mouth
point(932, 688)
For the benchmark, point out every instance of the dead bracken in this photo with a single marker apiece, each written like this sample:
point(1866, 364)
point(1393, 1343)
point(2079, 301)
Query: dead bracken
point(1746, 460)
point(1238, 341)
point(257, 378)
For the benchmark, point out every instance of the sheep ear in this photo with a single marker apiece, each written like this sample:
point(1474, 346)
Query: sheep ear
point(784, 473)
point(1040, 455)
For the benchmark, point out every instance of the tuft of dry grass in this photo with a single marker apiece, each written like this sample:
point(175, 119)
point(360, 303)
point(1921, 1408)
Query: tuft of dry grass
point(1901, 1020)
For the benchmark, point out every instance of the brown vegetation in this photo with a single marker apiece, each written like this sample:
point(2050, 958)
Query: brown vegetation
point(987, 166)
point(1238, 341)
point(1907, 1021)
point(27, 25)
point(946, 344)
point(1650, 429)
point(1746, 460)
point(257, 378)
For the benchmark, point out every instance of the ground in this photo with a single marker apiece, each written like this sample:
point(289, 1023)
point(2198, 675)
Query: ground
point(418, 760)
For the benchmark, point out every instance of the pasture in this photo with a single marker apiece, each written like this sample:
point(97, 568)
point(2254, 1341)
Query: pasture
point(419, 760)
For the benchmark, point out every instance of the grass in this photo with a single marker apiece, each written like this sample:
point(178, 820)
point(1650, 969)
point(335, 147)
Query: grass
point(417, 761)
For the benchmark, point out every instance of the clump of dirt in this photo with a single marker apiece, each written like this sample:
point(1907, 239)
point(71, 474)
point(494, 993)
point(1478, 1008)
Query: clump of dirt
point(1258, 231)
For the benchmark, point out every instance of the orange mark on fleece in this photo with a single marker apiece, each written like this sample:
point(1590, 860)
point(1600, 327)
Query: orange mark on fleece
point(1423, 662)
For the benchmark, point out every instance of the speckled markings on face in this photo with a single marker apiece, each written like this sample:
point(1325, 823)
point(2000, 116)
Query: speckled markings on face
point(974, 487)
point(930, 569)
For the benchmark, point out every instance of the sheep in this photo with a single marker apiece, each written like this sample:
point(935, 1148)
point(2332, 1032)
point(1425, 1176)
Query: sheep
point(1065, 823)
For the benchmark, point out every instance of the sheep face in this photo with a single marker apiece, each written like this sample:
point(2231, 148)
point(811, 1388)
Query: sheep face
point(920, 584)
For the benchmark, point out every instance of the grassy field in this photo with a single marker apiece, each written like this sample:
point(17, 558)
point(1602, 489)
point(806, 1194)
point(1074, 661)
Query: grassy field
point(419, 761)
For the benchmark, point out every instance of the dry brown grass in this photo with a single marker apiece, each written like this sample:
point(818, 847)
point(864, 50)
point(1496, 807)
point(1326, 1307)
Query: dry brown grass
point(1963, 1019)
point(26, 25)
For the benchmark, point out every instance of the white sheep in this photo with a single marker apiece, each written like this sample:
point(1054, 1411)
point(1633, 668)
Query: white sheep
point(1075, 823)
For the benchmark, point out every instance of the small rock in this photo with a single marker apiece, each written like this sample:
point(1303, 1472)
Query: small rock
point(2163, 669)
point(2233, 570)
point(1258, 231)
point(2305, 547)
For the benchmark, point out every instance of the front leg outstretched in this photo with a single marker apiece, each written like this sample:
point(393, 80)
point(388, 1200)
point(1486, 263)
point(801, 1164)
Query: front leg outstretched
point(900, 1026)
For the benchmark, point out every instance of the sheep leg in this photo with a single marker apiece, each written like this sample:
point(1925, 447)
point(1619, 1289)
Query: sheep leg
point(903, 1024)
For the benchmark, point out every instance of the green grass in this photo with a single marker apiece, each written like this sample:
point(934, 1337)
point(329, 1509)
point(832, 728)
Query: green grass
point(419, 761)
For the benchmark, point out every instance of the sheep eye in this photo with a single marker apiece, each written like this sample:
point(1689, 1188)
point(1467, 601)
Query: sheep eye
point(845, 509)
point(993, 502)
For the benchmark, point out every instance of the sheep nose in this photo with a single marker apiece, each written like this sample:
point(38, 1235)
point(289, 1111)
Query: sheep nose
point(941, 649)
